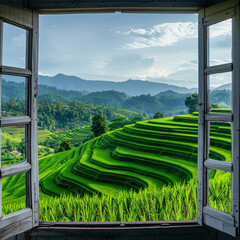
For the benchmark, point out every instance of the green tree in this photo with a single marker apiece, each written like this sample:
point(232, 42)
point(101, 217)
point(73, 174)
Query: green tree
point(158, 115)
point(192, 103)
point(64, 146)
point(99, 125)
point(21, 147)
point(9, 145)
point(215, 105)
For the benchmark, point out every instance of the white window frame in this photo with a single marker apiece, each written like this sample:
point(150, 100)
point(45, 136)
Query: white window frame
point(228, 223)
point(25, 219)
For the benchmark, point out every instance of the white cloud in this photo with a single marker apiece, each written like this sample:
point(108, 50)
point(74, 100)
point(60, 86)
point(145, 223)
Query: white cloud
point(153, 72)
point(140, 31)
point(221, 29)
point(43, 74)
point(168, 34)
point(161, 35)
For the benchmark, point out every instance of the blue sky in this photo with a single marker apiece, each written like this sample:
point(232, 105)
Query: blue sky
point(118, 47)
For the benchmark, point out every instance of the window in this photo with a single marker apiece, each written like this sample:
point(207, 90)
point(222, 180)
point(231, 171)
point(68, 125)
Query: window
point(27, 218)
point(226, 218)
point(19, 62)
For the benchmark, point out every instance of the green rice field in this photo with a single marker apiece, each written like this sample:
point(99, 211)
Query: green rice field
point(143, 172)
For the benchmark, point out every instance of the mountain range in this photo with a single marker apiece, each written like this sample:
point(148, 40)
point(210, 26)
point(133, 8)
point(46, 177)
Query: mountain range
point(130, 87)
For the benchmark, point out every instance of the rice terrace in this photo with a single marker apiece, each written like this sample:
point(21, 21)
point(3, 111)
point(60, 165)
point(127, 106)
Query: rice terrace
point(145, 171)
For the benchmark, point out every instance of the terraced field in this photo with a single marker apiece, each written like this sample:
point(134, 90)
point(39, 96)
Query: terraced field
point(151, 160)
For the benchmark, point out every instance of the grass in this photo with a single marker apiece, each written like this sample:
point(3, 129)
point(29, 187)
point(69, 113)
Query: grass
point(166, 203)
point(143, 172)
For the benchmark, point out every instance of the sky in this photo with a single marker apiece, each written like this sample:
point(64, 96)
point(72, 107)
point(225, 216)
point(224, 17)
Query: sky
point(117, 47)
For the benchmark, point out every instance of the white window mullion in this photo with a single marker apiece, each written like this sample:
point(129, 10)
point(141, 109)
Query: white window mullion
point(236, 118)
point(32, 130)
point(202, 181)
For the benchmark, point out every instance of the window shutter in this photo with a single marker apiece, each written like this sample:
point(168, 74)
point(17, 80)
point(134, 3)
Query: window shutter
point(27, 218)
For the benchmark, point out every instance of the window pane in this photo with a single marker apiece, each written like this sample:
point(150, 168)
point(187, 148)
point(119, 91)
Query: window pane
point(14, 96)
point(220, 92)
point(220, 141)
point(14, 46)
point(14, 193)
point(220, 43)
point(220, 190)
point(13, 147)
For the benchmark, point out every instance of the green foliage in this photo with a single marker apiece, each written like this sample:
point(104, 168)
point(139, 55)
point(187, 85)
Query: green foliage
point(121, 122)
point(221, 97)
point(192, 103)
point(9, 145)
point(215, 105)
point(158, 115)
point(64, 146)
point(54, 116)
point(99, 125)
point(106, 98)
point(144, 103)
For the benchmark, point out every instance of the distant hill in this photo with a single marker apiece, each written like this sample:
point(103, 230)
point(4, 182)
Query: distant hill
point(168, 102)
point(106, 98)
point(169, 93)
point(53, 97)
point(227, 86)
point(130, 87)
point(11, 88)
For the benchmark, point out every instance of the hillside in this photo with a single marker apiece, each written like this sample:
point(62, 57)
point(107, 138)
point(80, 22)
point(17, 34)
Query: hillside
point(12, 138)
point(11, 88)
point(106, 98)
point(130, 87)
point(168, 102)
point(133, 164)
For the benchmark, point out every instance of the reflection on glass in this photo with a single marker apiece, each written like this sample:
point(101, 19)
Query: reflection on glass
point(14, 46)
point(12, 188)
point(220, 190)
point(13, 147)
point(220, 141)
point(14, 96)
point(220, 43)
point(220, 92)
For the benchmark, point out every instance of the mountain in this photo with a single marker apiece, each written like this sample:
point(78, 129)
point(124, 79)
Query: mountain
point(130, 87)
point(227, 86)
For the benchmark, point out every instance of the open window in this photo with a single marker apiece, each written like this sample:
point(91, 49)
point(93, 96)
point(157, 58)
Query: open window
point(25, 71)
point(223, 220)
point(28, 217)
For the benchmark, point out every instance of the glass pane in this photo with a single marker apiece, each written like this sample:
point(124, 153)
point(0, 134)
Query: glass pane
point(220, 141)
point(13, 148)
point(14, 193)
point(220, 43)
point(220, 92)
point(14, 46)
point(14, 96)
point(220, 190)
